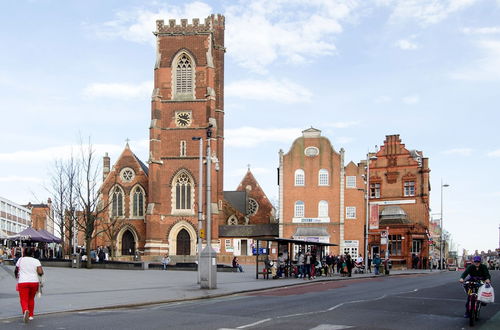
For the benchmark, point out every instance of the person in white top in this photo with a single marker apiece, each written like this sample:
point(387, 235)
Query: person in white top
point(27, 271)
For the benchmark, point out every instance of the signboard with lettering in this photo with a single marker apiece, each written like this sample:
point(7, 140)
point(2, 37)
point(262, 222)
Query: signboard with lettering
point(374, 219)
point(310, 220)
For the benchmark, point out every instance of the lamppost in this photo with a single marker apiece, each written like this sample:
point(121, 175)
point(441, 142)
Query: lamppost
point(208, 267)
point(200, 202)
point(441, 254)
point(367, 199)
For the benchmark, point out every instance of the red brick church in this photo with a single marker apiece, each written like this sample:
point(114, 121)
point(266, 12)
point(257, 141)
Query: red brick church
point(156, 203)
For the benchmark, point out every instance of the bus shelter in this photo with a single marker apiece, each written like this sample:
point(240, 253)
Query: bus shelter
point(287, 248)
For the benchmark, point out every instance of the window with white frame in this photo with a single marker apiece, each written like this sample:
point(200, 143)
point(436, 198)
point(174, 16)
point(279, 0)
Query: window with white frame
point(350, 212)
point(409, 188)
point(323, 177)
point(117, 202)
point(353, 251)
point(351, 181)
point(183, 148)
point(374, 190)
point(299, 209)
point(322, 209)
point(299, 177)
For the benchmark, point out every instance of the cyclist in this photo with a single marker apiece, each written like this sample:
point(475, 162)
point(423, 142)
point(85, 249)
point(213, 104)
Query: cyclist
point(476, 272)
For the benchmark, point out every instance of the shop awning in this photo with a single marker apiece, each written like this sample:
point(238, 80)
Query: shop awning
point(311, 232)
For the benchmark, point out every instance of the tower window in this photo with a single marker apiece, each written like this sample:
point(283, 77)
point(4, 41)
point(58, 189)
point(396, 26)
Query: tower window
point(184, 77)
point(183, 186)
point(183, 148)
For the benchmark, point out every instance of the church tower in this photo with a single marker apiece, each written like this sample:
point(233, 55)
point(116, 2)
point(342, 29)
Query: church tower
point(187, 102)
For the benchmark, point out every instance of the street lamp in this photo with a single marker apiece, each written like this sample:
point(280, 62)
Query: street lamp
point(200, 201)
point(367, 198)
point(441, 254)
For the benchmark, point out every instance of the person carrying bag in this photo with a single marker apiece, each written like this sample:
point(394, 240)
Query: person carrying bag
point(486, 294)
point(28, 270)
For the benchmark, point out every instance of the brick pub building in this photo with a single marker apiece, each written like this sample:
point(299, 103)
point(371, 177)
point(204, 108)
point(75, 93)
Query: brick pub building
point(399, 188)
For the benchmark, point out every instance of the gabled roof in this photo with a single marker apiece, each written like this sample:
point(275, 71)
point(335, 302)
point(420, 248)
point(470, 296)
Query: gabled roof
point(143, 166)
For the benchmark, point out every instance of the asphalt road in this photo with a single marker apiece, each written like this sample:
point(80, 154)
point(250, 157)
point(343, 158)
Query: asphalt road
point(398, 302)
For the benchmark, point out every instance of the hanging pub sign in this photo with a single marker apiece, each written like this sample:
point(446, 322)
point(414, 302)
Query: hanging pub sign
point(383, 237)
point(374, 216)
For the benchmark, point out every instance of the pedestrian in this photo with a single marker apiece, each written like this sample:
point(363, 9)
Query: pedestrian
point(308, 265)
point(376, 263)
point(165, 261)
point(370, 263)
point(300, 264)
point(236, 264)
point(27, 272)
point(329, 263)
point(349, 264)
point(101, 255)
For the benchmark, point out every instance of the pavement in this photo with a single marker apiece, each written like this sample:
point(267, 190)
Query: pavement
point(72, 289)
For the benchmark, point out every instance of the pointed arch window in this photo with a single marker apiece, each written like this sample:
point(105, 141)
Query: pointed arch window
point(299, 177)
point(182, 193)
point(137, 202)
point(117, 202)
point(184, 76)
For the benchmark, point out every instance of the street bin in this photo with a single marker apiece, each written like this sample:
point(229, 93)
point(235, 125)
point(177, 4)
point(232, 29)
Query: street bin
point(75, 261)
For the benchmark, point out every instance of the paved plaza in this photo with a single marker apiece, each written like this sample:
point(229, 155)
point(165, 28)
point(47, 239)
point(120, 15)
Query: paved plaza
point(70, 289)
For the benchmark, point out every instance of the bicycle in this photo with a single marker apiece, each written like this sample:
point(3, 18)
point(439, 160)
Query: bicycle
point(473, 304)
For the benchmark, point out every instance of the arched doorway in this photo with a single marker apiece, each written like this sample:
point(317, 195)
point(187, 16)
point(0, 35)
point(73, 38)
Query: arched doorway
point(183, 243)
point(128, 244)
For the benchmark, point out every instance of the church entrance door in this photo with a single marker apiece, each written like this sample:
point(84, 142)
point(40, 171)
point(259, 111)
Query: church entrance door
point(183, 243)
point(128, 244)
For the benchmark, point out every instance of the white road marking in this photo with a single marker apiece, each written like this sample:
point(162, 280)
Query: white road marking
point(331, 327)
point(252, 324)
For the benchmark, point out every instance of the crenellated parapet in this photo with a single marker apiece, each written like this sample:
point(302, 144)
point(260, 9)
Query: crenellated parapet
point(211, 23)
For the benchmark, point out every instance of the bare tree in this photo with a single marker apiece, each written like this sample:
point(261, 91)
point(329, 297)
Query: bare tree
point(57, 190)
point(91, 210)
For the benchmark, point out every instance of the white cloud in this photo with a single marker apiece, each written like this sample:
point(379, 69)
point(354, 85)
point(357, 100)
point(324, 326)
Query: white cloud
point(342, 124)
point(495, 153)
point(458, 151)
point(271, 33)
point(138, 24)
point(482, 30)
point(405, 44)
point(282, 91)
point(411, 99)
point(425, 12)
point(14, 178)
point(261, 31)
point(253, 136)
point(485, 68)
point(118, 90)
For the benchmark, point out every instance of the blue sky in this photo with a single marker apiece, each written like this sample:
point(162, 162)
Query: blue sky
point(358, 70)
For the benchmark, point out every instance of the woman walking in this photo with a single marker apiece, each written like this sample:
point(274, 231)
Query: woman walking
point(27, 271)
